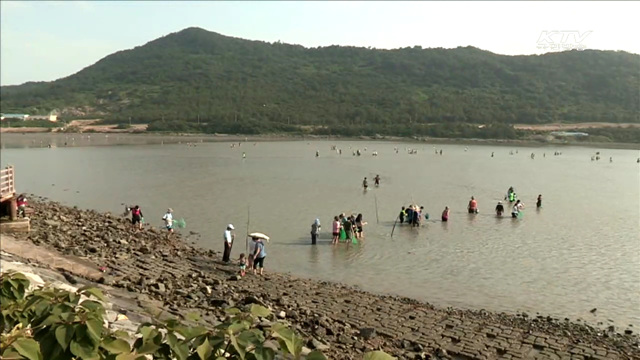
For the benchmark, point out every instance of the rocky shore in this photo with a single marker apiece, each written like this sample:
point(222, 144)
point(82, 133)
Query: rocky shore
point(341, 321)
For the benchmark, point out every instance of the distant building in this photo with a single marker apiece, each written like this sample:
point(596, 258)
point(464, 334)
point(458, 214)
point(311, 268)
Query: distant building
point(568, 134)
point(50, 117)
point(14, 117)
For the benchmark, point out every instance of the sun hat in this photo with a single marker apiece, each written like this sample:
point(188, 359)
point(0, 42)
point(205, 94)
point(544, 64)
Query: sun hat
point(230, 226)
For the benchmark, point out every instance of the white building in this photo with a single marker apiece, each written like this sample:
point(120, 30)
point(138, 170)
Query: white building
point(14, 117)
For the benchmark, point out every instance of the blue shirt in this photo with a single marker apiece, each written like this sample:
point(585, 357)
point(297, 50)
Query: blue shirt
point(263, 251)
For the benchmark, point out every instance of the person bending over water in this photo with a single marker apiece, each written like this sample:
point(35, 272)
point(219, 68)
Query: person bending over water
point(445, 214)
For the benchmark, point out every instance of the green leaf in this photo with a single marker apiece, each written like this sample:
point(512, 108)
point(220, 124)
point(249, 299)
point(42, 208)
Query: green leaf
point(28, 348)
point(316, 355)
point(191, 332)
point(180, 350)
point(83, 350)
point(258, 310)
point(116, 346)
point(232, 311)
point(148, 332)
point(264, 353)
point(238, 326)
point(88, 290)
point(122, 334)
point(64, 334)
point(378, 355)
point(93, 306)
point(241, 350)
point(204, 350)
point(293, 344)
point(129, 356)
point(95, 329)
point(193, 316)
point(148, 347)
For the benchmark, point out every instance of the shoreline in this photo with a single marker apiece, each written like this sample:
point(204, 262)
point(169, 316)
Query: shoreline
point(14, 138)
point(334, 313)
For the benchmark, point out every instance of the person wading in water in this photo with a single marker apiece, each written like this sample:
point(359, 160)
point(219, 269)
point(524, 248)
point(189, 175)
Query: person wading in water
point(473, 206)
point(376, 180)
point(499, 209)
point(445, 214)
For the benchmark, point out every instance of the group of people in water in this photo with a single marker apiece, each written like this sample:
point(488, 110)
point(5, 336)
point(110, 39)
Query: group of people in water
point(376, 182)
point(413, 214)
point(344, 227)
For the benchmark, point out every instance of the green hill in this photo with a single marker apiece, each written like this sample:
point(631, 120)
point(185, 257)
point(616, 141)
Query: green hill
point(196, 74)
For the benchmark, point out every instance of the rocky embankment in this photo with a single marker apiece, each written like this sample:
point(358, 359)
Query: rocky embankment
point(342, 321)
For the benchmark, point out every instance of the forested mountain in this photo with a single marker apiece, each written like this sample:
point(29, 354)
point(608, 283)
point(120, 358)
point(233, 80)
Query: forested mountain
point(196, 74)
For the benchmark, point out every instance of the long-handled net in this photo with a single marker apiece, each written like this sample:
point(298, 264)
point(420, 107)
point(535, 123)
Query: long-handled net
point(179, 223)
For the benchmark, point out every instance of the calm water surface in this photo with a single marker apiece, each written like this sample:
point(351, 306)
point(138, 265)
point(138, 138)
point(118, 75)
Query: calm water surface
point(580, 251)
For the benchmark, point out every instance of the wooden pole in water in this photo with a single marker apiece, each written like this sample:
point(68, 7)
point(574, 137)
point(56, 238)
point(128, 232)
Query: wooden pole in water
point(376, 200)
point(394, 225)
point(246, 240)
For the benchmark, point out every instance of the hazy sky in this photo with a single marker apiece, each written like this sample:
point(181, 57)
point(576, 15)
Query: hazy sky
point(42, 41)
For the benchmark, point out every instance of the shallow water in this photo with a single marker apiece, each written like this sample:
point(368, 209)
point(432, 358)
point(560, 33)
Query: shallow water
point(580, 251)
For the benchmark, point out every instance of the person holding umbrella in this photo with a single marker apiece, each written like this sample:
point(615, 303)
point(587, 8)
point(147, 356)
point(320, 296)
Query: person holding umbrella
point(260, 251)
point(228, 243)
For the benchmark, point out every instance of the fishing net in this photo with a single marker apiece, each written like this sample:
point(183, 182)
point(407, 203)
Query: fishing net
point(179, 223)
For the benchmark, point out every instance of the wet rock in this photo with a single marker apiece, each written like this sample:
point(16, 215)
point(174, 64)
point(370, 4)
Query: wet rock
point(367, 333)
point(160, 287)
point(253, 300)
point(628, 332)
point(282, 315)
point(52, 223)
point(318, 345)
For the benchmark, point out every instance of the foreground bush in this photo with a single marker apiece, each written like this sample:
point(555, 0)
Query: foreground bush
point(54, 324)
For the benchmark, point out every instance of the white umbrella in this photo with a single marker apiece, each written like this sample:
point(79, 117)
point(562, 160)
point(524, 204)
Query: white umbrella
point(259, 236)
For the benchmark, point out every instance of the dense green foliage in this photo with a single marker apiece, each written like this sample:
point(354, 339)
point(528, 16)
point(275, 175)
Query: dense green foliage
point(235, 85)
point(29, 123)
point(52, 323)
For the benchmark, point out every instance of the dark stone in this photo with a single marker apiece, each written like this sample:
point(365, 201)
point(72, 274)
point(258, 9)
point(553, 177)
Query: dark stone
point(367, 333)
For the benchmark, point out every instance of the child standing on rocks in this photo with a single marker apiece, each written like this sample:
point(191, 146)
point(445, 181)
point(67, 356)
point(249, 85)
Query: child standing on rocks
point(242, 261)
point(168, 222)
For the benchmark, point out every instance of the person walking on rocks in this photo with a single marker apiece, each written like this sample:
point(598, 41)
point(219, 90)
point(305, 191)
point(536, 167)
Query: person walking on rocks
point(259, 255)
point(228, 243)
point(136, 217)
point(168, 222)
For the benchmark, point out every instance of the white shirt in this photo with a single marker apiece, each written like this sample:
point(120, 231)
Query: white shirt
point(515, 209)
point(168, 219)
point(227, 236)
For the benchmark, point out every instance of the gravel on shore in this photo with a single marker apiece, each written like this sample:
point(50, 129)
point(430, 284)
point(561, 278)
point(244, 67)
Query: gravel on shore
point(340, 320)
